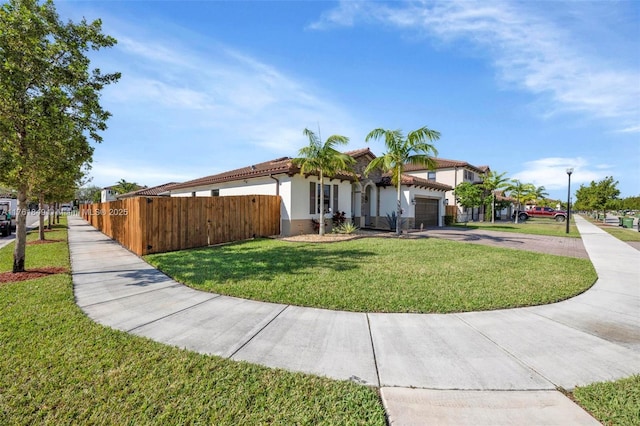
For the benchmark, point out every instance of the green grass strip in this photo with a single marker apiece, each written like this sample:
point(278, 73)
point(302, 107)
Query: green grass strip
point(59, 367)
point(533, 226)
point(381, 274)
point(612, 403)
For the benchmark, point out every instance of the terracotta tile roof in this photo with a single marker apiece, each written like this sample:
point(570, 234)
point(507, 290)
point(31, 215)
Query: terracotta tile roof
point(147, 192)
point(277, 166)
point(443, 163)
point(360, 152)
point(409, 180)
point(500, 196)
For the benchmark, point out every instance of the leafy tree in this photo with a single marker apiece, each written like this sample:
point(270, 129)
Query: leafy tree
point(122, 187)
point(324, 159)
point(521, 192)
point(44, 75)
point(585, 199)
point(468, 194)
point(88, 194)
point(492, 182)
point(67, 157)
point(6, 192)
point(631, 203)
point(401, 150)
point(598, 196)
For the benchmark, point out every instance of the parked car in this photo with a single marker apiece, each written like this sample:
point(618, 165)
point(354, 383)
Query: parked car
point(548, 212)
point(5, 225)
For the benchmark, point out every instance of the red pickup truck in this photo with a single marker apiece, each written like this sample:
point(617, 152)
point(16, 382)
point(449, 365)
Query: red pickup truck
point(557, 215)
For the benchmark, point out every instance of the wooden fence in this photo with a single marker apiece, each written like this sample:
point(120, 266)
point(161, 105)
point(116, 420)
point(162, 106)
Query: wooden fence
point(160, 224)
point(452, 211)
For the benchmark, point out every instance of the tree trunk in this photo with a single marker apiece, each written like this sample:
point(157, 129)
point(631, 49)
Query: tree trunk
point(21, 231)
point(399, 208)
point(321, 228)
point(41, 217)
point(493, 207)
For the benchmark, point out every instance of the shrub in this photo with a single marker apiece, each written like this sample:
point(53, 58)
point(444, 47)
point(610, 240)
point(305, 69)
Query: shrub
point(392, 221)
point(339, 218)
point(345, 228)
point(316, 224)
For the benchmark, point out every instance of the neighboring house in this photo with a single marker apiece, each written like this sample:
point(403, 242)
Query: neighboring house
point(452, 173)
point(367, 201)
point(108, 194)
point(504, 214)
point(154, 191)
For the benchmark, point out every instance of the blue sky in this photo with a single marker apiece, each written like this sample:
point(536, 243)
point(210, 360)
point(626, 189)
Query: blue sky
point(528, 88)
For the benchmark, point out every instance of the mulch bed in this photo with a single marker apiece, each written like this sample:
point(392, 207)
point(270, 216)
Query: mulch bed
point(332, 238)
point(31, 274)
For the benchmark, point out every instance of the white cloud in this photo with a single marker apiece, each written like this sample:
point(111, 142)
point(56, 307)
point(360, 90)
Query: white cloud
point(527, 48)
point(105, 174)
point(551, 172)
point(226, 93)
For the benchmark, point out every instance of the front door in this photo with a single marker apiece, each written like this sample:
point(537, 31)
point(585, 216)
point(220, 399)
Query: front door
point(366, 206)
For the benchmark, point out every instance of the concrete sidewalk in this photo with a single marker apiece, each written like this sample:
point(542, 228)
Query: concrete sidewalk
point(444, 369)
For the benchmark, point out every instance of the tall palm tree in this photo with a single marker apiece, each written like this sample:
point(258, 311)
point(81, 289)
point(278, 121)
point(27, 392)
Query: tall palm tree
point(492, 182)
point(324, 159)
point(414, 149)
point(522, 192)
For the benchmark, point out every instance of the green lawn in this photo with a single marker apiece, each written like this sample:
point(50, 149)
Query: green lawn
point(623, 234)
point(380, 274)
point(536, 226)
point(612, 403)
point(59, 367)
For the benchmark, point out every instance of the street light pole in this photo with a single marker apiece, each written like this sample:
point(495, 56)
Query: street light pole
point(569, 171)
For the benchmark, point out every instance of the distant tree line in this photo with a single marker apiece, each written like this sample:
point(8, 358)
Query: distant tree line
point(602, 196)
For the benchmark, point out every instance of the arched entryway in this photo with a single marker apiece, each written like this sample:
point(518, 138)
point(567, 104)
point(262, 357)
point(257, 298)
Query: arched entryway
point(368, 204)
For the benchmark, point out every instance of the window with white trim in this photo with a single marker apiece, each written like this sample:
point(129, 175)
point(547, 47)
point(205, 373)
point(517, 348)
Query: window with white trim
point(330, 198)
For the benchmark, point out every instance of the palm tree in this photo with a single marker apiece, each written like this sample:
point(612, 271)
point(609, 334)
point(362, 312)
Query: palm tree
point(492, 182)
point(123, 187)
point(541, 194)
point(414, 149)
point(325, 160)
point(522, 192)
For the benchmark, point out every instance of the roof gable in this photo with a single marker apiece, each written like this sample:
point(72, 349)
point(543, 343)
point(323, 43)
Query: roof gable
point(147, 192)
point(409, 180)
point(443, 163)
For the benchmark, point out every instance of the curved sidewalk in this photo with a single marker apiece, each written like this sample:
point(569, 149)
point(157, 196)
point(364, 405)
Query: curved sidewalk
point(592, 337)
